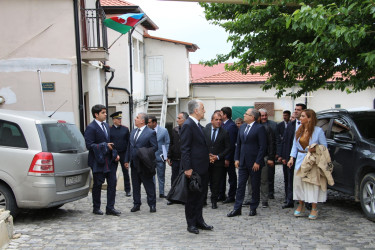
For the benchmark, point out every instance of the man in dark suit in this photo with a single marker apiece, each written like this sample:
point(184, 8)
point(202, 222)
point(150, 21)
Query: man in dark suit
point(120, 138)
point(280, 133)
point(195, 157)
point(286, 147)
point(232, 129)
point(218, 143)
point(97, 138)
point(142, 137)
point(249, 159)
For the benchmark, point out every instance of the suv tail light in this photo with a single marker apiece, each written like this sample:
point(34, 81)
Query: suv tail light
point(42, 165)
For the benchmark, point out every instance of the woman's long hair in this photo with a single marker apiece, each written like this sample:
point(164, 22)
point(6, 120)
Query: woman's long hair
point(309, 126)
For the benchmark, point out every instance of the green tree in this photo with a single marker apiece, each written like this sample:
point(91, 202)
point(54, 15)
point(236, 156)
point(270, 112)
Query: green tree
point(303, 44)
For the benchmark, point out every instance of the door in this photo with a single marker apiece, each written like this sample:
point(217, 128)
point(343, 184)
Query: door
point(155, 75)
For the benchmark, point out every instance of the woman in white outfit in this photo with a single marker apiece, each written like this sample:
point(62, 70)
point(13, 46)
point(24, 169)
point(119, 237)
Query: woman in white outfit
point(307, 134)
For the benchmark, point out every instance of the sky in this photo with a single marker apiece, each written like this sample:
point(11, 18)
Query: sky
point(185, 21)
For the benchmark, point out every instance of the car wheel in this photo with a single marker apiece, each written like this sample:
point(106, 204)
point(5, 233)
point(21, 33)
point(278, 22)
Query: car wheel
point(7, 200)
point(367, 196)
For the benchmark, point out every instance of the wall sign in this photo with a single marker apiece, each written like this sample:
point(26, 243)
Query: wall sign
point(48, 86)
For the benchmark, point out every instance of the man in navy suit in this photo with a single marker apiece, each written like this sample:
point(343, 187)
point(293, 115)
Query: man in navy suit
point(280, 133)
point(162, 137)
point(249, 159)
point(286, 147)
point(97, 137)
point(232, 129)
point(142, 137)
point(195, 157)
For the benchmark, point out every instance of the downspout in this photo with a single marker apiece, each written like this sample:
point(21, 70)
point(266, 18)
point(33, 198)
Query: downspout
point(108, 69)
point(127, 91)
point(79, 67)
point(131, 74)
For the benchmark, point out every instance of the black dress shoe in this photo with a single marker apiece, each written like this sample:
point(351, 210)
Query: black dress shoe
point(214, 205)
point(247, 203)
point(128, 194)
point(169, 203)
point(162, 196)
point(221, 198)
point(229, 200)
point(288, 206)
point(112, 212)
point(204, 226)
point(234, 213)
point(97, 212)
point(152, 209)
point(253, 212)
point(264, 204)
point(135, 208)
point(193, 230)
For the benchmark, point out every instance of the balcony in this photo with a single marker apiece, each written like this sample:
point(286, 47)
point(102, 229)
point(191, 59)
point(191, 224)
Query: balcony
point(93, 35)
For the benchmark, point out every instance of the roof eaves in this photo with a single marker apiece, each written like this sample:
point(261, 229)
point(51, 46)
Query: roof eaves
point(227, 83)
point(191, 47)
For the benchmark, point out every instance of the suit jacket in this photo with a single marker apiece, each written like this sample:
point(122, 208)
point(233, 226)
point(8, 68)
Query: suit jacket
point(280, 133)
point(220, 147)
point(232, 130)
point(253, 147)
point(162, 137)
point(194, 150)
point(146, 139)
point(287, 142)
point(273, 126)
point(174, 152)
point(94, 135)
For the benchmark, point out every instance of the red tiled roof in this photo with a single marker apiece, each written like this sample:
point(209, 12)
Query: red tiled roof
point(115, 3)
point(190, 46)
point(217, 74)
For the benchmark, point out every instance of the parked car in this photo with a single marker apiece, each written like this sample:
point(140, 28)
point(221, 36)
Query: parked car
point(43, 162)
point(351, 143)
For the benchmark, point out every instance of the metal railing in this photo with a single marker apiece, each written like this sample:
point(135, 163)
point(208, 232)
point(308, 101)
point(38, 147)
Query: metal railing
point(94, 33)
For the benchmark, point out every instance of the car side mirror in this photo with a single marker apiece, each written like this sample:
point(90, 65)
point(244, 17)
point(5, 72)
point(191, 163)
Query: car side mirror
point(343, 138)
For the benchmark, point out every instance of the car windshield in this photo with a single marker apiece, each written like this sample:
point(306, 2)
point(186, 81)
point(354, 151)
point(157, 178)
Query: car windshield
point(61, 138)
point(365, 124)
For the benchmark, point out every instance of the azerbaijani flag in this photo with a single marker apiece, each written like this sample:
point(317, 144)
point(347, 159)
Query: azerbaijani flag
point(123, 23)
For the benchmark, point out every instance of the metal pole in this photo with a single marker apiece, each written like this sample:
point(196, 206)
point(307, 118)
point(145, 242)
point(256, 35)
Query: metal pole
point(41, 91)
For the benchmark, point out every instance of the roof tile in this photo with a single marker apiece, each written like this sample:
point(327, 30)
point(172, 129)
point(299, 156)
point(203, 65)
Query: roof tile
point(115, 3)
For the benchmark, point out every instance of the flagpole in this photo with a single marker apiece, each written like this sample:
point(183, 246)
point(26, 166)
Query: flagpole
point(115, 41)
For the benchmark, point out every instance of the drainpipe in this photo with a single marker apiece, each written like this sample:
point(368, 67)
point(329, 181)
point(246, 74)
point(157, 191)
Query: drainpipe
point(108, 69)
point(127, 91)
point(79, 67)
point(131, 74)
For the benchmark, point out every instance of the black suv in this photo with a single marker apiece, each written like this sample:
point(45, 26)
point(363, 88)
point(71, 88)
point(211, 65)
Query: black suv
point(351, 143)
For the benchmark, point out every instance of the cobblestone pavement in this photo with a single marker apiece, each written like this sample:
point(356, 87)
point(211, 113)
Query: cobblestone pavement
point(340, 225)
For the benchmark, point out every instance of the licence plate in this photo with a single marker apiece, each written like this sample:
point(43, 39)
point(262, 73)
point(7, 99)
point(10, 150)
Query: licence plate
point(71, 180)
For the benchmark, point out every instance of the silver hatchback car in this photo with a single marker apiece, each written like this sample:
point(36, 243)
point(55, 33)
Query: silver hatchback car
point(43, 162)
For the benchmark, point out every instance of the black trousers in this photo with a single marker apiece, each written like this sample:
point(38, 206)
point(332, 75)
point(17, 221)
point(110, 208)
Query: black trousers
point(125, 172)
point(148, 184)
point(215, 177)
point(194, 204)
point(232, 180)
point(271, 179)
point(176, 168)
point(99, 179)
point(288, 183)
point(244, 172)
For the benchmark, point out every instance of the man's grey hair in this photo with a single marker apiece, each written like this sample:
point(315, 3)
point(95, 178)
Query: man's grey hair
point(184, 115)
point(256, 114)
point(263, 110)
point(192, 105)
point(144, 116)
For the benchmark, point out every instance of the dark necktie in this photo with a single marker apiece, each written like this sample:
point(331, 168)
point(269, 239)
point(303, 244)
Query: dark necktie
point(298, 122)
point(213, 136)
point(136, 135)
point(104, 130)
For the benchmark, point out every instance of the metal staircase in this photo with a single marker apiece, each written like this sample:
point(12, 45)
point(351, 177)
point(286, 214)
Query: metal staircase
point(157, 106)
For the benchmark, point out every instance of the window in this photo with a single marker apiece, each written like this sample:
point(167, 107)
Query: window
point(135, 55)
point(324, 124)
point(11, 135)
point(342, 127)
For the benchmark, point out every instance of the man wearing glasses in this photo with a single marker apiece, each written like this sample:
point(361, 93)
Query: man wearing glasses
point(249, 159)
